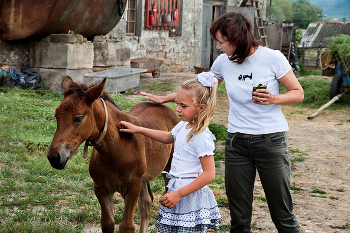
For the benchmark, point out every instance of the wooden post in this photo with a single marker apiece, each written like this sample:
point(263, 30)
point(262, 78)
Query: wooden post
point(335, 98)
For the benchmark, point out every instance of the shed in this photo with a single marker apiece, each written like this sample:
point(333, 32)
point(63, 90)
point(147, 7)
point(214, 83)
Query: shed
point(315, 39)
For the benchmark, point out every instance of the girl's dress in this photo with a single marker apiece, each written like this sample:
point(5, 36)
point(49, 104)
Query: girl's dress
point(197, 211)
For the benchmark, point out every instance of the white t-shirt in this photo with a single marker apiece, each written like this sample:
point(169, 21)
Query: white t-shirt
point(185, 162)
point(265, 65)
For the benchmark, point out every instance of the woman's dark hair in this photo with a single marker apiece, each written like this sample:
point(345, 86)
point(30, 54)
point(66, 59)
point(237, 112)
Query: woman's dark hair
point(236, 28)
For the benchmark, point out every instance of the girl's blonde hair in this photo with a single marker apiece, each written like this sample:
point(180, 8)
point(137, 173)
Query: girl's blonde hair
point(201, 95)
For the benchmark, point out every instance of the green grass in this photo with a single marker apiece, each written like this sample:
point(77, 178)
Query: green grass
point(162, 87)
point(316, 94)
point(220, 131)
point(296, 155)
point(305, 72)
point(318, 191)
point(346, 226)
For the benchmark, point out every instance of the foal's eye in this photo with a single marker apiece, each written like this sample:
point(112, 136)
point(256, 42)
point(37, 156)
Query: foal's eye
point(78, 119)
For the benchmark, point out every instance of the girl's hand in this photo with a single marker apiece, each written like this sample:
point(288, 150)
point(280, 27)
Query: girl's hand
point(127, 127)
point(264, 96)
point(170, 199)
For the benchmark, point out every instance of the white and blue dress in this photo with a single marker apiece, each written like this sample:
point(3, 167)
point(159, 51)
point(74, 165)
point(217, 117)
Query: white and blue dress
point(197, 211)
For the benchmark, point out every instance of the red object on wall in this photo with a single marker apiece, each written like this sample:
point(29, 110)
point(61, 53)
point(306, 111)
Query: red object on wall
point(154, 9)
point(176, 14)
point(151, 18)
point(162, 7)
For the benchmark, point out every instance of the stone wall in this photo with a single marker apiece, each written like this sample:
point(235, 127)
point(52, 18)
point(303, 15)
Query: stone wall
point(179, 53)
point(14, 53)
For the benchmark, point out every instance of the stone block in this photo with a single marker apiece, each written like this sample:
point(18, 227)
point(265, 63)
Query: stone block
point(61, 55)
point(62, 38)
point(123, 54)
point(118, 79)
point(110, 54)
point(53, 78)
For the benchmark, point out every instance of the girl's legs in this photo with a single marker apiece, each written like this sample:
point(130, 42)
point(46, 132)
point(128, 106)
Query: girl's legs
point(240, 174)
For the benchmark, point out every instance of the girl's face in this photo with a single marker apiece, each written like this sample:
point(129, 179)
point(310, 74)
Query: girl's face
point(185, 106)
point(224, 45)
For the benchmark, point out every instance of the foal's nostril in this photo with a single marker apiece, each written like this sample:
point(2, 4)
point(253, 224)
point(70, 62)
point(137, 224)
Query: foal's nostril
point(55, 160)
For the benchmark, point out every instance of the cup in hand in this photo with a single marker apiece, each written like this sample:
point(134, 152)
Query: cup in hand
point(258, 85)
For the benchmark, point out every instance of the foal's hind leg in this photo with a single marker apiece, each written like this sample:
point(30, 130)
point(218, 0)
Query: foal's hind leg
point(145, 206)
point(106, 203)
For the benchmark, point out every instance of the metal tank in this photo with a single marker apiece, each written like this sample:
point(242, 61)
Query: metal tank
point(35, 19)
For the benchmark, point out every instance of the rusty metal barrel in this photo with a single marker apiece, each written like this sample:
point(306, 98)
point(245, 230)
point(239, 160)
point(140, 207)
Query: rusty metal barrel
point(35, 19)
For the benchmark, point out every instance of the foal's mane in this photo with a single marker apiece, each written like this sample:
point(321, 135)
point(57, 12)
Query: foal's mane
point(80, 88)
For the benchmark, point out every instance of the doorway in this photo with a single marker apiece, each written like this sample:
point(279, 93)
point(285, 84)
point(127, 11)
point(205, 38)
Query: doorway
point(211, 10)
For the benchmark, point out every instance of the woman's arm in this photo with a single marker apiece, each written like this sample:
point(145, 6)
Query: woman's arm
point(165, 99)
point(294, 94)
point(159, 135)
point(170, 199)
point(159, 99)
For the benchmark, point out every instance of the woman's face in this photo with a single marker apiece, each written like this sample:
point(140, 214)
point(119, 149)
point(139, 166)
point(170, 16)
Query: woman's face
point(224, 45)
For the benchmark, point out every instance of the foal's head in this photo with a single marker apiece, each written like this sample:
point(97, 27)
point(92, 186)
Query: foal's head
point(75, 120)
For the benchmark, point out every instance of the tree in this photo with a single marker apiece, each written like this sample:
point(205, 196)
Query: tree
point(304, 13)
point(280, 9)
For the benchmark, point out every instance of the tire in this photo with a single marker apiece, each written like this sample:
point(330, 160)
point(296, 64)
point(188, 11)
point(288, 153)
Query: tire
point(335, 86)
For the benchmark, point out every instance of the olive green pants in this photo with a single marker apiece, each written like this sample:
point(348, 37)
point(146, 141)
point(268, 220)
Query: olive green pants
point(268, 154)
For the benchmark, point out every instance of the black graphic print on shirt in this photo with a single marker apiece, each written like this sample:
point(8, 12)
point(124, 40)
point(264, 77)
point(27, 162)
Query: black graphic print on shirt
point(243, 77)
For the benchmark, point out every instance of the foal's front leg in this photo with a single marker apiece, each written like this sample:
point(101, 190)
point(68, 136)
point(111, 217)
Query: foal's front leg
point(127, 224)
point(106, 203)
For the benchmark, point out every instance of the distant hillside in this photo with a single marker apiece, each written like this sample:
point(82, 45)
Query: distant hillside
point(334, 8)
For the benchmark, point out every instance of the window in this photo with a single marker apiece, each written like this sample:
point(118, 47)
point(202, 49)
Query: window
point(131, 18)
point(167, 14)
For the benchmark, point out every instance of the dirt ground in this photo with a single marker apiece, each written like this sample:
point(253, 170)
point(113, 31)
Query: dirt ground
point(323, 142)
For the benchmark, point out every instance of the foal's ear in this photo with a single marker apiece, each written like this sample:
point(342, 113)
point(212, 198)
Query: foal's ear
point(94, 92)
point(68, 80)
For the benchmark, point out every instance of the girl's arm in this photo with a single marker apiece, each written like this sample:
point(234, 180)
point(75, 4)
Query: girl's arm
point(170, 199)
point(159, 135)
point(294, 94)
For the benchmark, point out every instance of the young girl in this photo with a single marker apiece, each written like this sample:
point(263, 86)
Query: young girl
point(189, 205)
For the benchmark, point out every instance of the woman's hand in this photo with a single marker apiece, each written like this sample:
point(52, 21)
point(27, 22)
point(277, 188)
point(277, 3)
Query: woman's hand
point(154, 98)
point(159, 99)
point(263, 96)
point(294, 94)
point(170, 199)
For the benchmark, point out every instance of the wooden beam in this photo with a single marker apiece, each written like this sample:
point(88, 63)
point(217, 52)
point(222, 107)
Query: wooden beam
point(244, 2)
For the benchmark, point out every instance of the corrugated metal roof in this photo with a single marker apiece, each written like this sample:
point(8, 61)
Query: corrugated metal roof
point(316, 33)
